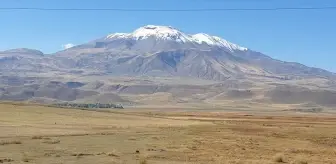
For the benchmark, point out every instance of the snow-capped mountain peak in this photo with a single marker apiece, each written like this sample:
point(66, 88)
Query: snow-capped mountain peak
point(173, 34)
point(158, 32)
point(151, 30)
point(161, 33)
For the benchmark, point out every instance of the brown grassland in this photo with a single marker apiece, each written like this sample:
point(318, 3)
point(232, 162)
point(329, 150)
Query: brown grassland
point(41, 135)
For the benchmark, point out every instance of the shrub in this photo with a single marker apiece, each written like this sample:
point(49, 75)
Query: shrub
point(143, 161)
point(82, 154)
point(10, 142)
point(25, 158)
point(6, 160)
point(52, 141)
point(279, 158)
point(113, 154)
point(37, 137)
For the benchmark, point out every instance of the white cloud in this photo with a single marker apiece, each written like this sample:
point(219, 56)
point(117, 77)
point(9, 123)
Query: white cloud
point(67, 46)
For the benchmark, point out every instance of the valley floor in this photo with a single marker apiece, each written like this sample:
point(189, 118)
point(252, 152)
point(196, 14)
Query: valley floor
point(38, 134)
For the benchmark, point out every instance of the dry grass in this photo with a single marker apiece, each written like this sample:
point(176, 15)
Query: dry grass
point(300, 161)
point(132, 139)
point(173, 137)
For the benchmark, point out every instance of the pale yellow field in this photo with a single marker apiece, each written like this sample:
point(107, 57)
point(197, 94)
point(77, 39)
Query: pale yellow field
point(37, 134)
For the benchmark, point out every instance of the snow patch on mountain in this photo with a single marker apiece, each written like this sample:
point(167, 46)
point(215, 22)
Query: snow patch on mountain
point(228, 44)
point(202, 38)
point(118, 35)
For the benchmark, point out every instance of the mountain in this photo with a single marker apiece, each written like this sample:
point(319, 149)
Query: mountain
point(25, 60)
point(23, 51)
point(158, 50)
point(164, 50)
point(149, 39)
point(225, 71)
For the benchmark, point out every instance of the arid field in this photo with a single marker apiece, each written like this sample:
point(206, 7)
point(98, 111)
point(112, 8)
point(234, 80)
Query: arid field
point(45, 135)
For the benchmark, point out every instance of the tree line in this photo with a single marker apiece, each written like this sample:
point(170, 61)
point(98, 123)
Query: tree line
point(80, 105)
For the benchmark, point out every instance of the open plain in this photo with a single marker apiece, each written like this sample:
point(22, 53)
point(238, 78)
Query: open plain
point(38, 134)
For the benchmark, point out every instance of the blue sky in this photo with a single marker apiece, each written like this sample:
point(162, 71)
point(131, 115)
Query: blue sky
point(306, 36)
